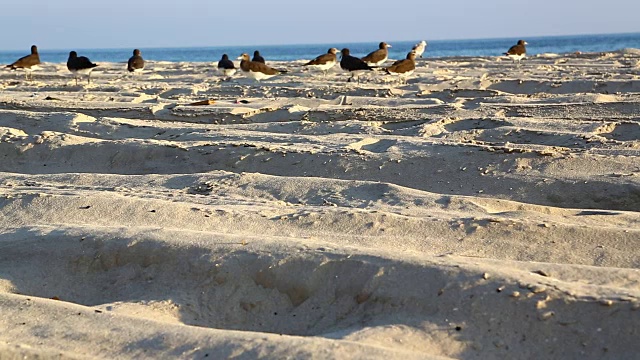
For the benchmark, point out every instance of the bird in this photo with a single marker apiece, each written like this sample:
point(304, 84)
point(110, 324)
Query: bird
point(378, 57)
point(226, 66)
point(419, 48)
point(403, 68)
point(352, 64)
point(80, 65)
point(27, 63)
point(517, 52)
point(256, 70)
point(324, 62)
point(136, 62)
point(257, 57)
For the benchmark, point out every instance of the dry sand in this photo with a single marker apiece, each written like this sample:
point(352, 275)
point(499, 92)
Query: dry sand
point(482, 210)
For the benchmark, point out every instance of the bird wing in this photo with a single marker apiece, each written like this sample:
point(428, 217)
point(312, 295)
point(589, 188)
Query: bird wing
point(322, 59)
point(84, 63)
point(375, 56)
point(135, 62)
point(260, 67)
point(26, 61)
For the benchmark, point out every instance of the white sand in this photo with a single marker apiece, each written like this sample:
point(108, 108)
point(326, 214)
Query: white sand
point(482, 210)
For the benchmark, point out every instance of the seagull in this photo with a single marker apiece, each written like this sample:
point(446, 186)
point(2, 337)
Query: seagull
point(352, 64)
point(517, 52)
point(419, 48)
point(136, 62)
point(257, 70)
point(27, 63)
point(403, 68)
point(378, 57)
point(257, 57)
point(324, 62)
point(226, 66)
point(80, 66)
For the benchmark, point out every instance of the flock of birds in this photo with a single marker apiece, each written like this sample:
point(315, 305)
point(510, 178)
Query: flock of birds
point(256, 67)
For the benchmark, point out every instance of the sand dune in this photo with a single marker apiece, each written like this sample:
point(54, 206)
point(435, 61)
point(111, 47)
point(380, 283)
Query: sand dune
point(482, 210)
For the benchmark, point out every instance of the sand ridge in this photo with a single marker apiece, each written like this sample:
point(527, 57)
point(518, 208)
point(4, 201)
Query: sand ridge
point(482, 209)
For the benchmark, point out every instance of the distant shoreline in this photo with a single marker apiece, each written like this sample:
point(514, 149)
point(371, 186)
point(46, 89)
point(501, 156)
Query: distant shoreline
point(435, 49)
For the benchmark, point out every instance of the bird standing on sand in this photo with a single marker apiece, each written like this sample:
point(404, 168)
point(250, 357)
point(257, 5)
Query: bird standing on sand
point(256, 70)
point(378, 57)
point(403, 68)
point(324, 62)
point(136, 62)
point(27, 63)
point(257, 57)
point(517, 52)
point(419, 48)
point(80, 65)
point(353, 64)
point(226, 67)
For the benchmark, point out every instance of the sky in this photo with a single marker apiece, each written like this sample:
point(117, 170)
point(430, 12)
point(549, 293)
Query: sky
point(73, 24)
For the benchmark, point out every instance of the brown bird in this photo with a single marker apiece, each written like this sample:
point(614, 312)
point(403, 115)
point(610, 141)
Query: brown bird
point(324, 62)
point(256, 70)
point(517, 52)
point(403, 68)
point(136, 62)
point(378, 57)
point(28, 63)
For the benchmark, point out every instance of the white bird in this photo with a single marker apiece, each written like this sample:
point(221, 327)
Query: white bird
point(419, 48)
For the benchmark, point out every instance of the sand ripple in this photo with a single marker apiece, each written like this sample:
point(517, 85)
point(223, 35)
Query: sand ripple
point(480, 210)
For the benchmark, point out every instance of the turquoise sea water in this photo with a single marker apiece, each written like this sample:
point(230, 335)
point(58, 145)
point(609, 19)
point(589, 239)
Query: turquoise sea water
point(435, 48)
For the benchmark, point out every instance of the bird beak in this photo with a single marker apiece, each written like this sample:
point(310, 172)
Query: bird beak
point(239, 57)
point(389, 45)
point(526, 43)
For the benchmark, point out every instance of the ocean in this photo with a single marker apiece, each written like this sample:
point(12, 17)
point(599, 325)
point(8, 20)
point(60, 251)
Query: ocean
point(399, 49)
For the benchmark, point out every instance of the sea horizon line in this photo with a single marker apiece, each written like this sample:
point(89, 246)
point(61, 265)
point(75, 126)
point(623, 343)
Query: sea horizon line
point(325, 43)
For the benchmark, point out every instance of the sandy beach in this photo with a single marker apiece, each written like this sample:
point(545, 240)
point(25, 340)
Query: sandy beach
point(482, 210)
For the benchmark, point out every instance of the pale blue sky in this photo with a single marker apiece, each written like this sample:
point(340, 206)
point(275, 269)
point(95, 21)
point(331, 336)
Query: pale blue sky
point(66, 24)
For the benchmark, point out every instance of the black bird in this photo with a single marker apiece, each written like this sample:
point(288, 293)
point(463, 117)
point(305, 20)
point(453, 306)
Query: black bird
point(226, 67)
point(136, 62)
point(353, 64)
point(27, 63)
point(517, 52)
point(257, 57)
point(80, 65)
